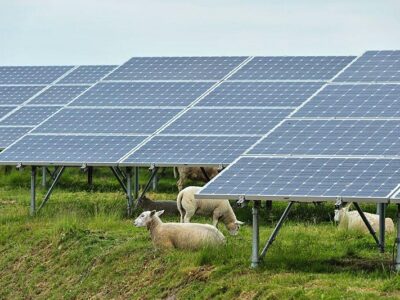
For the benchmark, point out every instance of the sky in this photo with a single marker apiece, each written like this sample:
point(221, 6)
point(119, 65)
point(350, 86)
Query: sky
point(71, 32)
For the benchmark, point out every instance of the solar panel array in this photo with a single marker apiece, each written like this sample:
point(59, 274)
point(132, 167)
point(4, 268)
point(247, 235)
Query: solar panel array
point(342, 143)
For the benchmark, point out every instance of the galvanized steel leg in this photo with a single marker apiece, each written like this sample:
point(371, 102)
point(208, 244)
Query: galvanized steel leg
point(139, 199)
point(255, 259)
point(33, 191)
point(90, 177)
point(382, 216)
point(136, 195)
point(55, 181)
point(120, 180)
point(276, 230)
point(129, 189)
point(155, 182)
point(370, 229)
point(44, 173)
point(397, 261)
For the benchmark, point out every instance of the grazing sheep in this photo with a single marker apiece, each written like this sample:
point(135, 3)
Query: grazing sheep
point(168, 206)
point(351, 220)
point(193, 173)
point(218, 209)
point(179, 235)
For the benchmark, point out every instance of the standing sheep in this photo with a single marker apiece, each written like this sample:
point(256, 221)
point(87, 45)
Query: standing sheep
point(193, 173)
point(351, 220)
point(218, 209)
point(178, 235)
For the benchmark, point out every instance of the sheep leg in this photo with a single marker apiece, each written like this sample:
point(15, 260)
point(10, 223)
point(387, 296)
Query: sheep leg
point(188, 215)
point(216, 217)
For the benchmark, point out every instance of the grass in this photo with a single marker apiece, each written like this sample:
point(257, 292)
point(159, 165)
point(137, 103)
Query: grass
point(82, 245)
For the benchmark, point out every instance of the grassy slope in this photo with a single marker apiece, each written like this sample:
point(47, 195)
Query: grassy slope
point(81, 245)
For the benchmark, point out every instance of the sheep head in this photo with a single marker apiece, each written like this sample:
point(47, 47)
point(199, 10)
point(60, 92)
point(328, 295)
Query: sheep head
point(233, 227)
point(146, 217)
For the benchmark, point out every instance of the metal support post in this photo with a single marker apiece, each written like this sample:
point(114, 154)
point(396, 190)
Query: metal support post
point(119, 171)
point(205, 173)
point(90, 177)
point(397, 261)
point(276, 230)
point(255, 259)
point(366, 222)
point(129, 189)
point(382, 216)
point(137, 188)
point(139, 199)
point(155, 183)
point(33, 191)
point(48, 194)
point(120, 180)
point(44, 173)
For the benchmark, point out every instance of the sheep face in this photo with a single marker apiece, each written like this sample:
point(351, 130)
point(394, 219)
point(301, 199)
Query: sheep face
point(146, 217)
point(233, 227)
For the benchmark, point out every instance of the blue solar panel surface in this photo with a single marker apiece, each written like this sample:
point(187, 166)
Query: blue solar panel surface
point(333, 137)
point(69, 149)
point(8, 135)
point(4, 110)
point(29, 115)
point(59, 94)
point(87, 74)
point(31, 74)
point(354, 100)
point(292, 68)
point(196, 150)
point(260, 94)
point(263, 177)
point(374, 66)
point(142, 94)
point(15, 95)
point(227, 121)
point(92, 120)
point(176, 68)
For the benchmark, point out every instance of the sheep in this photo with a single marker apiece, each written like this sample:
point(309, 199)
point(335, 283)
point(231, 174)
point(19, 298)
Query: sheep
point(178, 235)
point(218, 209)
point(168, 206)
point(194, 174)
point(351, 220)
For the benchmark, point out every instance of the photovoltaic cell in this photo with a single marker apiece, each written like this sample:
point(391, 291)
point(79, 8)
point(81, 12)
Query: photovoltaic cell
point(227, 121)
point(4, 110)
point(373, 66)
point(142, 94)
point(292, 68)
point(176, 68)
point(190, 150)
point(127, 121)
point(15, 95)
point(87, 74)
point(31, 74)
point(69, 149)
point(8, 135)
point(29, 115)
point(59, 94)
point(333, 137)
point(354, 100)
point(260, 94)
point(287, 178)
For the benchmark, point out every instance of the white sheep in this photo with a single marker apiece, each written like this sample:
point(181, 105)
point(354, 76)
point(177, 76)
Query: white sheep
point(351, 220)
point(179, 235)
point(218, 209)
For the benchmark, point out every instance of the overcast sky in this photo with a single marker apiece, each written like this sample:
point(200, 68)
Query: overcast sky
point(43, 32)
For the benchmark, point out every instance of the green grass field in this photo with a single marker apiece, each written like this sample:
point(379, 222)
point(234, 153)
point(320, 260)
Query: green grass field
point(82, 246)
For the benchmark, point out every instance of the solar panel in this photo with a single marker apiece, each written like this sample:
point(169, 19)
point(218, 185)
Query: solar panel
point(292, 68)
point(31, 74)
point(69, 150)
point(354, 100)
point(59, 94)
point(15, 95)
point(87, 74)
point(4, 110)
point(374, 66)
point(142, 94)
point(29, 115)
point(332, 137)
point(189, 150)
point(306, 179)
point(176, 68)
point(92, 120)
point(10, 134)
point(396, 197)
point(260, 94)
point(227, 121)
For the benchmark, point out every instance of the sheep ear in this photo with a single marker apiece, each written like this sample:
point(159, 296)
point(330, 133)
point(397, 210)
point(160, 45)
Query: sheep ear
point(239, 222)
point(159, 213)
point(152, 213)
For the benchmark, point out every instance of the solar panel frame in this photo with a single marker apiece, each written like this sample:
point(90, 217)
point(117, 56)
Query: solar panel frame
point(29, 115)
point(58, 94)
point(6, 110)
point(8, 134)
point(87, 74)
point(18, 94)
point(31, 74)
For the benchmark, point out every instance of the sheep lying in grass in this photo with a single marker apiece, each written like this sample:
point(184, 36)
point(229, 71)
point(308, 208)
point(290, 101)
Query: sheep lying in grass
point(168, 206)
point(351, 220)
point(179, 235)
point(218, 209)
